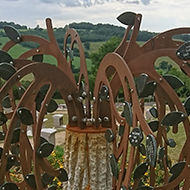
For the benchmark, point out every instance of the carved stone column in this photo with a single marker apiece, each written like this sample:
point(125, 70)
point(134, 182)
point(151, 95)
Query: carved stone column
point(87, 161)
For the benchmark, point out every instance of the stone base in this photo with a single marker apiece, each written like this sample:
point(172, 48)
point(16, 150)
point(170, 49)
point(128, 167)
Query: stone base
point(87, 161)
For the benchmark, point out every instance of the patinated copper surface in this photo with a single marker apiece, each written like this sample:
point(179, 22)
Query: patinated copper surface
point(116, 71)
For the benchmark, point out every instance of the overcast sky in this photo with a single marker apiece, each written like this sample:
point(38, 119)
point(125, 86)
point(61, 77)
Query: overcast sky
point(158, 15)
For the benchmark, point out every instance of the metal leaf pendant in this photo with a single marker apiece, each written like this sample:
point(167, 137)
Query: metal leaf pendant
point(47, 179)
point(153, 125)
point(183, 52)
point(141, 83)
point(140, 170)
point(63, 175)
point(52, 106)
point(6, 70)
point(173, 118)
point(148, 89)
point(176, 170)
point(142, 149)
point(174, 81)
point(30, 180)
point(104, 92)
point(127, 18)
point(10, 162)
point(187, 105)
point(6, 102)
point(153, 111)
point(3, 118)
point(16, 136)
point(9, 185)
point(21, 91)
point(2, 136)
point(12, 33)
point(151, 149)
point(45, 149)
point(136, 136)
point(114, 167)
point(25, 116)
point(127, 113)
point(5, 57)
point(161, 153)
point(109, 135)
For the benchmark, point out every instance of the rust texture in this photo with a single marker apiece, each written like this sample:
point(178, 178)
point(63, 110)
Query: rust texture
point(116, 73)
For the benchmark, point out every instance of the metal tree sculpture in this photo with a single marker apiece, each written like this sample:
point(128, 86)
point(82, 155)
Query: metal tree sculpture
point(124, 131)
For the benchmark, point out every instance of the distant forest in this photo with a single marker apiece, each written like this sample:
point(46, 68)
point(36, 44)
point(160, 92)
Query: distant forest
point(88, 32)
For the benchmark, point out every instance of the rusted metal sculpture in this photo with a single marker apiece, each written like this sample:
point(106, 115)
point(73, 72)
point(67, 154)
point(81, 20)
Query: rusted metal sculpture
point(124, 131)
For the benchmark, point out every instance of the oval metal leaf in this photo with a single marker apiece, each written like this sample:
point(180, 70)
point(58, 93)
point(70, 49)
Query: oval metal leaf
point(109, 135)
point(151, 150)
point(52, 187)
point(161, 153)
point(15, 149)
point(1, 151)
point(16, 136)
point(52, 106)
point(6, 102)
point(45, 149)
point(183, 52)
point(6, 70)
point(142, 149)
point(153, 125)
point(141, 83)
point(174, 81)
point(10, 162)
point(39, 98)
point(187, 105)
point(140, 170)
point(171, 143)
point(176, 170)
point(37, 58)
point(3, 118)
point(63, 175)
point(47, 179)
point(136, 136)
point(114, 167)
point(104, 92)
point(145, 188)
point(21, 91)
point(153, 112)
point(148, 89)
point(2, 136)
point(30, 180)
point(9, 185)
point(5, 57)
point(25, 116)
point(12, 33)
point(173, 118)
point(121, 130)
point(127, 18)
point(127, 112)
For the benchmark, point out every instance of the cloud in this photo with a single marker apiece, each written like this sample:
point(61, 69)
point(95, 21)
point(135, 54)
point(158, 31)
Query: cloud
point(146, 2)
point(89, 3)
point(133, 2)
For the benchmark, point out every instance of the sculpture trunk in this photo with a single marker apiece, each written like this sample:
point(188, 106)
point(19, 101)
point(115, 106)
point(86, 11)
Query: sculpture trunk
point(87, 158)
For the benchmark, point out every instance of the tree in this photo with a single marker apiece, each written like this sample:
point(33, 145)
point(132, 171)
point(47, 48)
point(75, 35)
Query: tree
point(87, 45)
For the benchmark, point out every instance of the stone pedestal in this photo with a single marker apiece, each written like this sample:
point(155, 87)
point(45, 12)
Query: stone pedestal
point(87, 161)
